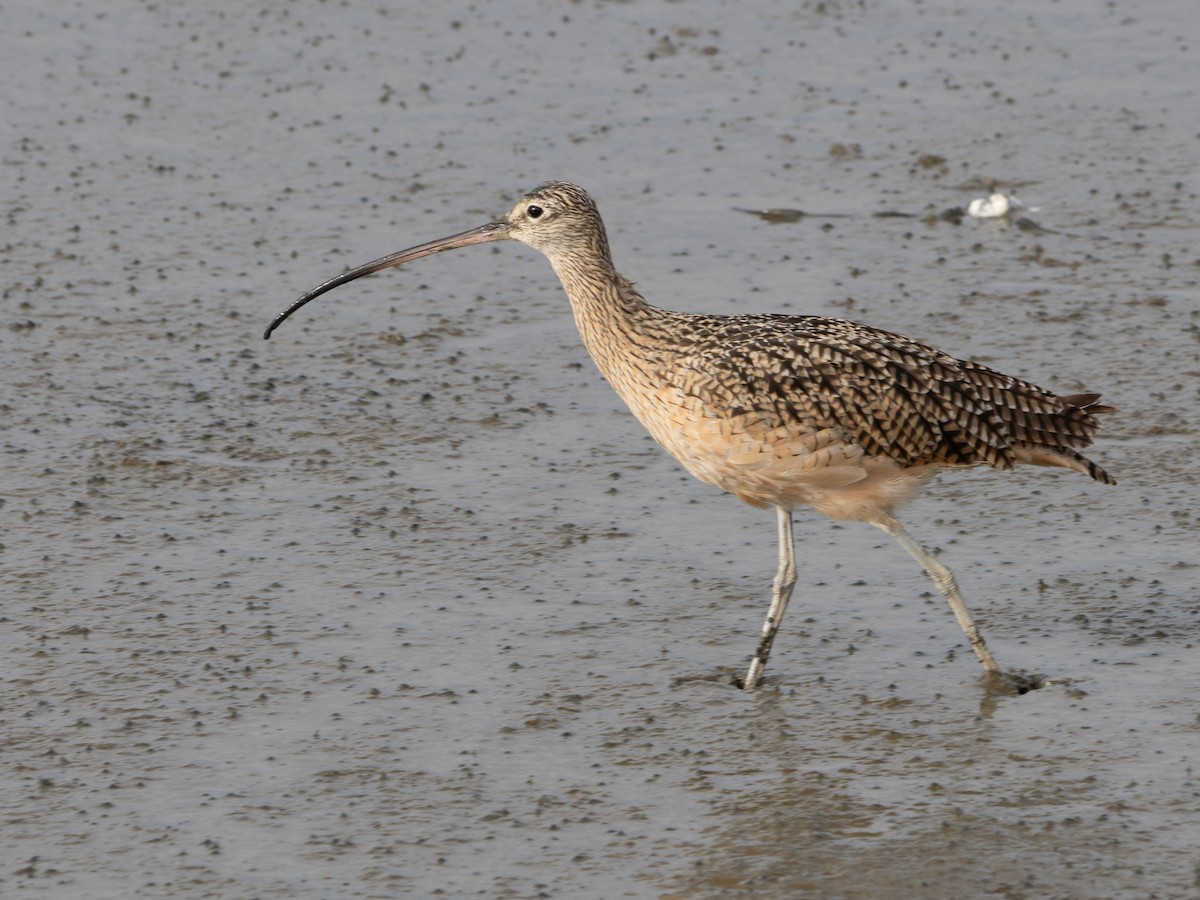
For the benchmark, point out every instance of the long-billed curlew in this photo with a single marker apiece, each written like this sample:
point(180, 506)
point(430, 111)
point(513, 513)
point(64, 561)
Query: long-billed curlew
point(784, 410)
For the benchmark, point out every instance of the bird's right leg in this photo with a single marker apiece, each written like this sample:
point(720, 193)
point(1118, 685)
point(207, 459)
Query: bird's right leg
point(781, 593)
point(944, 579)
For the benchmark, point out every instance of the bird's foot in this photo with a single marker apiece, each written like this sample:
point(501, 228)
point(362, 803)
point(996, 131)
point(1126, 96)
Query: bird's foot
point(739, 682)
point(1012, 684)
point(725, 679)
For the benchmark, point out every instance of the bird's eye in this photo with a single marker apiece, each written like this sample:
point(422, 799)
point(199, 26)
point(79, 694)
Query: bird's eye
point(534, 212)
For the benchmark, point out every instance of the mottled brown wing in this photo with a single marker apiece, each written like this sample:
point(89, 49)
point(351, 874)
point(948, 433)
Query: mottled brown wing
point(893, 396)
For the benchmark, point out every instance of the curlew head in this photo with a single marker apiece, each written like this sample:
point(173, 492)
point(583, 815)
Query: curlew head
point(557, 218)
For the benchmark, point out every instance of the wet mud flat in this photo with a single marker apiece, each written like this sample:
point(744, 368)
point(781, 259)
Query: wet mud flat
point(402, 603)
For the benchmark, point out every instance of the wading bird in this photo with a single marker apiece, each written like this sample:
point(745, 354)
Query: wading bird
point(783, 410)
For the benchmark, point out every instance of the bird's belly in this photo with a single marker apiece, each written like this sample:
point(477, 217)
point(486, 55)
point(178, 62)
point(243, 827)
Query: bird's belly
point(767, 462)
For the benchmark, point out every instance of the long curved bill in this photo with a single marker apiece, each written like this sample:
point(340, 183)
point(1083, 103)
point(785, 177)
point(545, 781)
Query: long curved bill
point(493, 231)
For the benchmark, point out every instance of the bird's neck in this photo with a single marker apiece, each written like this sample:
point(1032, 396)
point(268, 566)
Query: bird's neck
point(607, 307)
point(631, 342)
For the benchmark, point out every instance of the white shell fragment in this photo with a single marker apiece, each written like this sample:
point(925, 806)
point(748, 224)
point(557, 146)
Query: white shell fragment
point(995, 206)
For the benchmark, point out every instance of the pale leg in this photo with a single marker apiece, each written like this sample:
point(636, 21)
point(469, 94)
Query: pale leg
point(781, 593)
point(944, 579)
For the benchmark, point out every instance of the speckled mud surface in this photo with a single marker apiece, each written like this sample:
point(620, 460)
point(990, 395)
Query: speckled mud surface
point(403, 604)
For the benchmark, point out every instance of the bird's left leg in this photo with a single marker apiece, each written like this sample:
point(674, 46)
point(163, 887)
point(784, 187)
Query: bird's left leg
point(781, 593)
point(944, 579)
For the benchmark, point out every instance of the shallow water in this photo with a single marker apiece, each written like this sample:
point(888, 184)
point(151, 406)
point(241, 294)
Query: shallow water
point(402, 603)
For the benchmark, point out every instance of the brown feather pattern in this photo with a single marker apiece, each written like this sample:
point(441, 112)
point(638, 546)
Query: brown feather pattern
point(774, 379)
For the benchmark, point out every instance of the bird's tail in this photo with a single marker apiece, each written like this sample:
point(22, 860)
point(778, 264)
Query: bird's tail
point(1089, 406)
